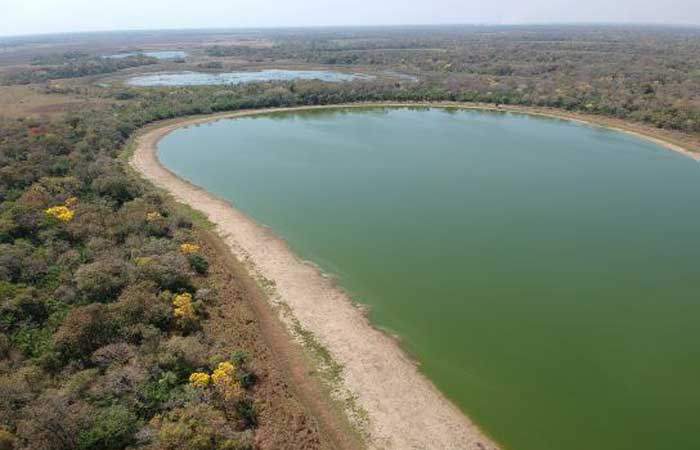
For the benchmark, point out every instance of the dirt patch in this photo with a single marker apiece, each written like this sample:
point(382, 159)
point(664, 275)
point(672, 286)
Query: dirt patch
point(286, 396)
point(33, 100)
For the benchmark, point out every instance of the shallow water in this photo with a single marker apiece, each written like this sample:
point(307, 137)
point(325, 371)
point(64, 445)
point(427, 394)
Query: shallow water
point(203, 78)
point(543, 272)
point(171, 54)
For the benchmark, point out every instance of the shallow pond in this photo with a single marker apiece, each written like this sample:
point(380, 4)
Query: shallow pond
point(544, 273)
point(204, 78)
point(172, 54)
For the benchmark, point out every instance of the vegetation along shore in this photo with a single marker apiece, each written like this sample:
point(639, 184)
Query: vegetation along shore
point(307, 301)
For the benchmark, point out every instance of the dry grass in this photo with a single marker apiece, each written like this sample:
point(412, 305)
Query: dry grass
point(33, 100)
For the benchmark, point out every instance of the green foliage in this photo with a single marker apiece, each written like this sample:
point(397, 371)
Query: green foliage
point(198, 263)
point(32, 341)
point(112, 428)
point(73, 65)
point(247, 412)
point(154, 393)
point(198, 427)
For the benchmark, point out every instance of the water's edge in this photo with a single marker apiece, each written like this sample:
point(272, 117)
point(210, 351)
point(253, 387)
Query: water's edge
point(451, 428)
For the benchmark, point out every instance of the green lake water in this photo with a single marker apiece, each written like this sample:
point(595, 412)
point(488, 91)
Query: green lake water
point(544, 273)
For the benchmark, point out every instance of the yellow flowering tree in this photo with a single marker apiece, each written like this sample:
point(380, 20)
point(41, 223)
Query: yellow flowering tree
point(189, 247)
point(223, 378)
point(200, 379)
point(60, 212)
point(63, 212)
point(183, 306)
point(225, 381)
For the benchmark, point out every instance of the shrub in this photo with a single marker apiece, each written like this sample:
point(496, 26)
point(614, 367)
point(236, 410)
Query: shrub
point(60, 212)
point(118, 353)
point(54, 422)
point(225, 380)
point(184, 311)
point(247, 412)
point(90, 221)
point(188, 247)
point(32, 341)
point(4, 346)
point(115, 187)
point(197, 427)
point(184, 354)
point(16, 391)
point(139, 303)
point(121, 381)
point(199, 379)
point(198, 263)
point(84, 330)
point(112, 428)
point(155, 392)
point(170, 271)
point(101, 280)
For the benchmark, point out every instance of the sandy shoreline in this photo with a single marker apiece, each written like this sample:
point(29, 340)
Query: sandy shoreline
point(404, 410)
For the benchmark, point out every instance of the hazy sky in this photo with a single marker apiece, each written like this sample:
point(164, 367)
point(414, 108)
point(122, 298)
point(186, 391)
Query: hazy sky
point(49, 16)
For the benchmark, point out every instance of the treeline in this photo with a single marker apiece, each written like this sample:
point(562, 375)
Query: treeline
point(73, 65)
point(645, 74)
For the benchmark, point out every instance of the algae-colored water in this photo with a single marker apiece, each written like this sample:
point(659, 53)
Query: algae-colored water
point(544, 273)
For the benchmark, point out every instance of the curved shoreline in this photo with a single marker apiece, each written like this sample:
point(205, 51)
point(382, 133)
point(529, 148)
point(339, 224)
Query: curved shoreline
point(425, 419)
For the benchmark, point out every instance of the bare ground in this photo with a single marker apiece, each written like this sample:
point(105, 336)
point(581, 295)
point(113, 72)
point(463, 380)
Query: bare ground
point(292, 414)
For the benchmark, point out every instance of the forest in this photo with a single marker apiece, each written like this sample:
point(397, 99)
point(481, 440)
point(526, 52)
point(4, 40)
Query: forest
point(642, 74)
point(73, 65)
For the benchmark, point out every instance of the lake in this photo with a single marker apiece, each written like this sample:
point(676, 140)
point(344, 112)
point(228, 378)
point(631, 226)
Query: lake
point(543, 272)
point(204, 78)
point(169, 54)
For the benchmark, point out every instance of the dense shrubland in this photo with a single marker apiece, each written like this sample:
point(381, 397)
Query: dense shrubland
point(73, 65)
point(103, 289)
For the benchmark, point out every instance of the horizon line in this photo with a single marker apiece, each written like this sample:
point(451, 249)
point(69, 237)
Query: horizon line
point(351, 26)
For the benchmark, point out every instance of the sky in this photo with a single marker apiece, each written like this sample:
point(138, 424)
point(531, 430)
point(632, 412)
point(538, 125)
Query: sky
point(18, 17)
